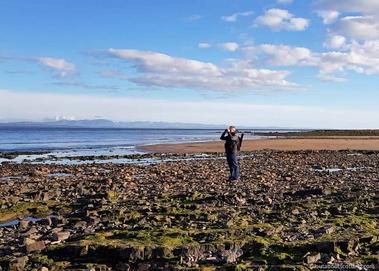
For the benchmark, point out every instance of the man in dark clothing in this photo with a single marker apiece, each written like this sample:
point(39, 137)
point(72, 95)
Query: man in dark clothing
point(232, 145)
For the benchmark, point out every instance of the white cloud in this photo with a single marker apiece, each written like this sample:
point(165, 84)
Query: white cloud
point(281, 55)
point(335, 42)
point(365, 6)
point(38, 106)
point(234, 17)
point(62, 67)
point(360, 58)
point(356, 57)
point(161, 70)
point(362, 25)
point(358, 27)
point(280, 19)
point(229, 46)
point(328, 16)
point(204, 45)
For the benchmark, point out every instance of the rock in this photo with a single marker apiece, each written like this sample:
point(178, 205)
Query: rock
point(80, 225)
point(295, 211)
point(231, 255)
point(39, 173)
point(61, 236)
point(13, 199)
point(163, 252)
point(122, 267)
point(18, 264)
point(144, 267)
point(312, 258)
point(287, 178)
point(23, 224)
point(327, 258)
point(32, 245)
point(46, 221)
point(329, 229)
point(308, 192)
point(347, 246)
point(45, 196)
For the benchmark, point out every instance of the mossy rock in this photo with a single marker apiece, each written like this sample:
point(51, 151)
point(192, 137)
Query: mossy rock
point(37, 209)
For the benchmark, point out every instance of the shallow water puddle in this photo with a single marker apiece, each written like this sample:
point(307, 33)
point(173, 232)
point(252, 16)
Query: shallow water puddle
point(59, 174)
point(15, 222)
point(13, 178)
point(332, 170)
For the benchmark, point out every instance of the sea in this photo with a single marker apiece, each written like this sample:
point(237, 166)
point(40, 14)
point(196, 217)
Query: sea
point(100, 141)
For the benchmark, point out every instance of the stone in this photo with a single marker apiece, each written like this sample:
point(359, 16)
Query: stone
point(163, 252)
point(45, 196)
point(295, 211)
point(61, 236)
point(329, 229)
point(144, 267)
point(231, 255)
point(38, 173)
point(80, 225)
point(312, 258)
point(46, 221)
point(123, 267)
point(18, 264)
point(23, 224)
point(32, 245)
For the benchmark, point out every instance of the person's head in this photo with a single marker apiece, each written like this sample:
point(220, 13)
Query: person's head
point(232, 130)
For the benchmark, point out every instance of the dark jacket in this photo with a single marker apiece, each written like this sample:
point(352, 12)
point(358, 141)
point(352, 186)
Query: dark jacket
point(231, 142)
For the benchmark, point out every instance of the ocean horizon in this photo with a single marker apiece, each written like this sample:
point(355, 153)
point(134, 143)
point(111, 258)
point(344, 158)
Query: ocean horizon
point(79, 139)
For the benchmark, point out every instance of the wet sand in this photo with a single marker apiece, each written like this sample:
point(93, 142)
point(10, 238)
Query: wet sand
point(283, 144)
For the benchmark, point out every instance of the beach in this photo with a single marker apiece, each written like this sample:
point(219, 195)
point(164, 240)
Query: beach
point(291, 210)
point(282, 144)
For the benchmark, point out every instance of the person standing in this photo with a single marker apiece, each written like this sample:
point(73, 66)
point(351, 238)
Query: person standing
point(232, 146)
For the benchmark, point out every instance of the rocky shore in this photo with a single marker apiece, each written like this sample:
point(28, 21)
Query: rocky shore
point(297, 210)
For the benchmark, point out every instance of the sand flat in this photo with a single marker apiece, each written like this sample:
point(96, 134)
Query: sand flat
point(283, 144)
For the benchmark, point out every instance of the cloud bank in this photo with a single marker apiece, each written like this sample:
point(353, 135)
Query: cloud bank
point(281, 19)
point(161, 70)
point(40, 105)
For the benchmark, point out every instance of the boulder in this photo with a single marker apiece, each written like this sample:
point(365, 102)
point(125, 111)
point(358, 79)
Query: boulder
point(18, 264)
point(32, 245)
point(312, 258)
point(61, 236)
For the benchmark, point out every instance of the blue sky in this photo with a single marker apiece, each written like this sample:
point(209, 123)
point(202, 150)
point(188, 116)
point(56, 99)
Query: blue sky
point(249, 62)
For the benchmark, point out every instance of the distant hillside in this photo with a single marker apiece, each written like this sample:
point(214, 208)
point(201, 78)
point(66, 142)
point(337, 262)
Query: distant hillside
point(323, 133)
point(103, 123)
point(63, 123)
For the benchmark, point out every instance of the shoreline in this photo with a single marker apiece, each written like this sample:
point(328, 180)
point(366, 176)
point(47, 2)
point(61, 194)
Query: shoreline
point(279, 144)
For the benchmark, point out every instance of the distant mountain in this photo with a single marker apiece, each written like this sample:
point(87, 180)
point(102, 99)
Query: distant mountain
point(98, 123)
point(104, 123)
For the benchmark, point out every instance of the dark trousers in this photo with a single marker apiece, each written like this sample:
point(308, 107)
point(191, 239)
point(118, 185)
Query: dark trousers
point(233, 166)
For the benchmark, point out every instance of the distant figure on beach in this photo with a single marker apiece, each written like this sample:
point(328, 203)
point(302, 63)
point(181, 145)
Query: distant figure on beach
point(232, 146)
